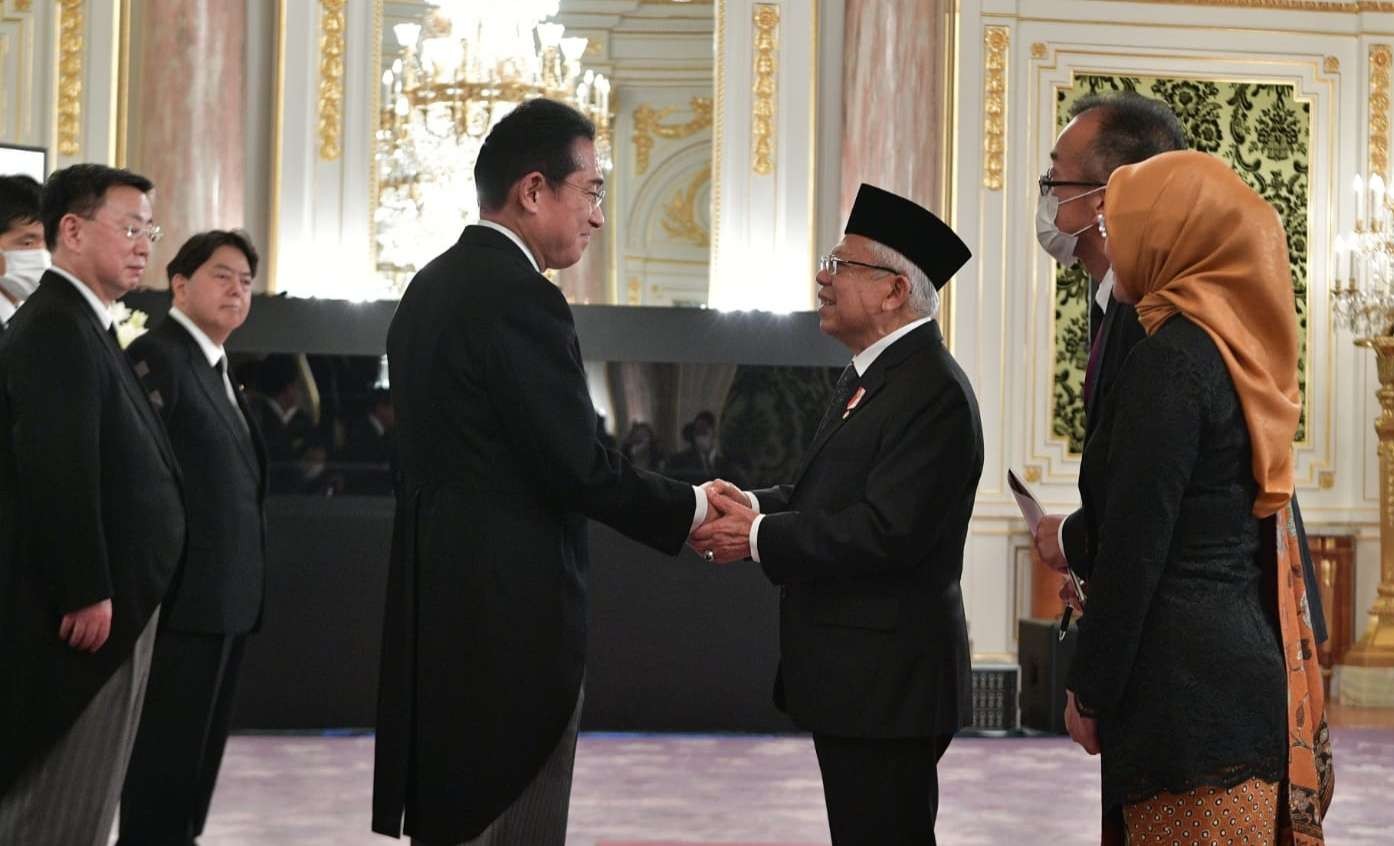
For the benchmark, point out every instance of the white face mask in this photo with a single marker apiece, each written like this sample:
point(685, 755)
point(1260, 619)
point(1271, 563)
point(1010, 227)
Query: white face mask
point(1059, 245)
point(22, 271)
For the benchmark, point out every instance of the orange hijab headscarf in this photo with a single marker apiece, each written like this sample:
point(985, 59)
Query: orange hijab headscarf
point(1188, 237)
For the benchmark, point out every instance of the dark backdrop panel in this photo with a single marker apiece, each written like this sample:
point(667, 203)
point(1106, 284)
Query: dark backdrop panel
point(676, 645)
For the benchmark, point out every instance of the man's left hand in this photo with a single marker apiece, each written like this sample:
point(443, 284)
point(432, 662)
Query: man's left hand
point(728, 536)
point(1083, 730)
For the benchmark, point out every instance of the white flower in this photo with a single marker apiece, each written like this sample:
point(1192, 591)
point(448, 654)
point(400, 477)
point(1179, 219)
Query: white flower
point(129, 323)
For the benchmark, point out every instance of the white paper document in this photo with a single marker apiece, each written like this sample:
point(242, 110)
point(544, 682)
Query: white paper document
point(1025, 500)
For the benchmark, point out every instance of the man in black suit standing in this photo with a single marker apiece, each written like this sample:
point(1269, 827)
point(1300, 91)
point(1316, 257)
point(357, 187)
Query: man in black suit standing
point(217, 598)
point(1105, 132)
point(484, 636)
point(91, 520)
point(867, 544)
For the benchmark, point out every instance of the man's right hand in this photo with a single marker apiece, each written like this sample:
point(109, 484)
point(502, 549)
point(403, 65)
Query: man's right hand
point(1048, 543)
point(87, 628)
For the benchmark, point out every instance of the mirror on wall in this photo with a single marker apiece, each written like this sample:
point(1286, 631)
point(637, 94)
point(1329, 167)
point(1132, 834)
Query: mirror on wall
point(642, 70)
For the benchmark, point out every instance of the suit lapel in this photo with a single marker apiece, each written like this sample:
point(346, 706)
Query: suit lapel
point(871, 384)
point(1095, 385)
point(210, 382)
point(124, 374)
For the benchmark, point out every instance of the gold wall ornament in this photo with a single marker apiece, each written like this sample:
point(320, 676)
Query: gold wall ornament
point(1326, 480)
point(635, 291)
point(331, 78)
point(1379, 108)
point(70, 50)
point(680, 213)
point(762, 122)
point(1033, 473)
point(1331, 64)
point(22, 5)
point(995, 39)
point(647, 125)
point(1038, 50)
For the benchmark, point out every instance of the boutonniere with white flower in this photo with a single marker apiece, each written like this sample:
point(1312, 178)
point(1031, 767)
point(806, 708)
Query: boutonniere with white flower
point(853, 402)
point(129, 323)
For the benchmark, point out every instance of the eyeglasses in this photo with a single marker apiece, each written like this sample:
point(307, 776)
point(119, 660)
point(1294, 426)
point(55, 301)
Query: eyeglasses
point(1046, 183)
point(596, 197)
point(133, 231)
point(830, 264)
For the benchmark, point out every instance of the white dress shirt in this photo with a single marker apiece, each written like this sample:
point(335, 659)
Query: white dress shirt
point(99, 308)
point(862, 361)
point(699, 514)
point(7, 309)
point(216, 355)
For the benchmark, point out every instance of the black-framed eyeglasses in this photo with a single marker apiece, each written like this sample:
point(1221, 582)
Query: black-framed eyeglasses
point(596, 197)
point(829, 264)
point(1046, 183)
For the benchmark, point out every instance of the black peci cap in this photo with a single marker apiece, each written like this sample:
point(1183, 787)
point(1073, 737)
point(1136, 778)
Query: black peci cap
point(909, 229)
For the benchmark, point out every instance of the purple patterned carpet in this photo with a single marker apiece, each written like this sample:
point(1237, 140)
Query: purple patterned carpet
point(749, 790)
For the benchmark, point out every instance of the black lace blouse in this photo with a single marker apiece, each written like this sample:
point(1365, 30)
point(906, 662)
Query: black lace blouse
point(1179, 653)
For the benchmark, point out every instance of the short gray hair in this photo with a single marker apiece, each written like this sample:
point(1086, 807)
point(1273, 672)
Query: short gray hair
point(924, 297)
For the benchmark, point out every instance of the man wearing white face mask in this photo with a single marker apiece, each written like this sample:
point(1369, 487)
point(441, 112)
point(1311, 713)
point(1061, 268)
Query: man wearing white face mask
point(1105, 132)
point(23, 258)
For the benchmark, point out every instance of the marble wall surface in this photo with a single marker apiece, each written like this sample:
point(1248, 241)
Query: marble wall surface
point(187, 116)
point(892, 98)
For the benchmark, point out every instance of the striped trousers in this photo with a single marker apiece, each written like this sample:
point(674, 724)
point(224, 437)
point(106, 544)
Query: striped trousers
point(68, 797)
point(538, 816)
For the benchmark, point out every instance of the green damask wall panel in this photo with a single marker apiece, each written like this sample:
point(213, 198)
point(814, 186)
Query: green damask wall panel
point(1263, 132)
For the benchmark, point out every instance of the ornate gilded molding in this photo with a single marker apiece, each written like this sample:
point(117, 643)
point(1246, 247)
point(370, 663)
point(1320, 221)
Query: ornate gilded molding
point(1379, 108)
point(1038, 50)
point(762, 122)
point(71, 43)
point(995, 40)
point(331, 78)
point(22, 5)
point(1326, 480)
point(1348, 8)
point(680, 213)
point(1331, 64)
point(647, 126)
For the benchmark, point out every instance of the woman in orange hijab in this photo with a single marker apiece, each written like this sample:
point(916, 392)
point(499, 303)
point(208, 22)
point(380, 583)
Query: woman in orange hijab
point(1195, 674)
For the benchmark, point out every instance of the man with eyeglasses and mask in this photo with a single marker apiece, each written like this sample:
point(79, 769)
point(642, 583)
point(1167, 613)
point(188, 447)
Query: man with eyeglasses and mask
point(1105, 132)
point(23, 258)
point(867, 544)
point(91, 520)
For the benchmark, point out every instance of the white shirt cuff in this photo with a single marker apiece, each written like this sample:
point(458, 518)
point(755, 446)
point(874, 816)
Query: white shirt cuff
point(1060, 539)
point(754, 533)
point(699, 514)
point(754, 501)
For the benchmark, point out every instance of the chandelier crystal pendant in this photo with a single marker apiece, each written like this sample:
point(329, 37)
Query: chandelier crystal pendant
point(457, 75)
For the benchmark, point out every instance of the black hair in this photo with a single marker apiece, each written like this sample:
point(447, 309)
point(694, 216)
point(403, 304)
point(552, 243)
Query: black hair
point(201, 247)
point(537, 136)
point(80, 190)
point(1132, 128)
point(19, 201)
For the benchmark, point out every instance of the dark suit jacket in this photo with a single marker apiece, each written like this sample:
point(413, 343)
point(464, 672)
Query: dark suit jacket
point(867, 545)
point(484, 636)
point(90, 509)
point(219, 591)
point(1121, 332)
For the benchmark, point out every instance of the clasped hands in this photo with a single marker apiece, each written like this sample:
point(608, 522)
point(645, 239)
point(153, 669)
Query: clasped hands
point(1046, 550)
point(726, 532)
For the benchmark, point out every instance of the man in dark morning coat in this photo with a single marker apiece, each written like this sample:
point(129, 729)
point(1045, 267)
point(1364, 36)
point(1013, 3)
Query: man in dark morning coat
point(217, 598)
point(91, 520)
point(484, 636)
point(1106, 132)
point(867, 544)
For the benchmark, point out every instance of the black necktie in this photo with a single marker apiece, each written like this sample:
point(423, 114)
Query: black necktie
point(111, 330)
point(220, 368)
point(842, 394)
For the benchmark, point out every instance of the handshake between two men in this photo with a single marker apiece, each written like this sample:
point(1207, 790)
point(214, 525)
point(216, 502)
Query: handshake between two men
point(725, 536)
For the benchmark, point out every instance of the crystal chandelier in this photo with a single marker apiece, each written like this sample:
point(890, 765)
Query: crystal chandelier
point(471, 63)
point(1362, 297)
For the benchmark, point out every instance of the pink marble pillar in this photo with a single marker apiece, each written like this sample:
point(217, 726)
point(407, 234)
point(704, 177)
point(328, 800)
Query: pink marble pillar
point(186, 124)
point(892, 98)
